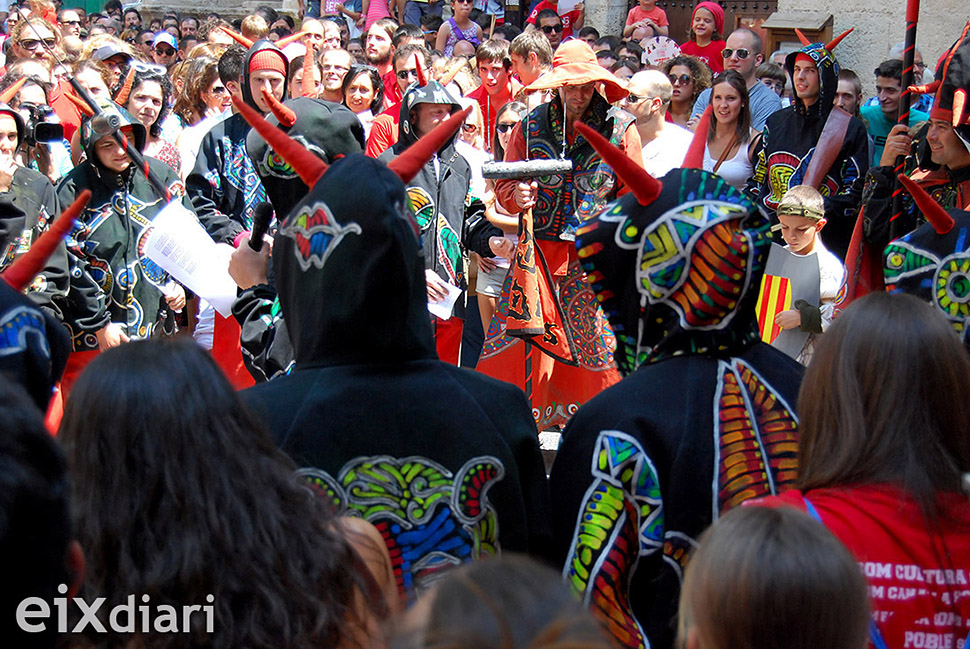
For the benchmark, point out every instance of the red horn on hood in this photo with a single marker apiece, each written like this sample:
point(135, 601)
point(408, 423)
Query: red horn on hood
point(408, 164)
point(80, 103)
point(292, 38)
point(933, 211)
point(12, 91)
point(283, 113)
point(23, 271)
point(838, 39)
point(309, 167)
point(422, 73)
point(694, 159)
point(933, 86)
point(306, 85)
point(959, 106)
point(122, 98)
point(644, 187)
point(239, 38)
point(802, 37)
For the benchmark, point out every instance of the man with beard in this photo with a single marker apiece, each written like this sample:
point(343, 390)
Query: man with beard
point(379, 44)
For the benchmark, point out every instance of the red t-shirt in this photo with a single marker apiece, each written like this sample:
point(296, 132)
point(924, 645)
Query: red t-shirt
point(912, 603)
point(709, 54)
point(567, 19)
point(490, 106)
point(392, 92)
point(383, 131)
point(656, 14)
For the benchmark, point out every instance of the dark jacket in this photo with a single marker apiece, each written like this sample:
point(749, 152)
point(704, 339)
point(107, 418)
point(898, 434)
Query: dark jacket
point(443, 461)
point(223, 186)
point(105, 245)
point(26, 212)
point(788, 144)
point(704, 418)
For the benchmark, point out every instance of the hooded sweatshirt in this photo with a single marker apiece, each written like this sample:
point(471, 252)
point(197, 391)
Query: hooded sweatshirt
point(224, 186)
point(369, 412)
point(450, 218)
point(787, 146)
point(111, 278)
point(704, 417)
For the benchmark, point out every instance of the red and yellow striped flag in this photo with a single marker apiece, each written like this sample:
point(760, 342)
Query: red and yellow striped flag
point(775, 297)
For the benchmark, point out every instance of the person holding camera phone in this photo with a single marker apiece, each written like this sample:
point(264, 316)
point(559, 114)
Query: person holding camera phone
point(28, 204)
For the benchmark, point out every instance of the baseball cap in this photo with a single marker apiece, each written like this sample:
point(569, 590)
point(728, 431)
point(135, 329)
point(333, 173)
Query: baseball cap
point(165, 37)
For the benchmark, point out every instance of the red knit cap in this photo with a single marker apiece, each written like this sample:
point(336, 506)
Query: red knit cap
point(268, 60)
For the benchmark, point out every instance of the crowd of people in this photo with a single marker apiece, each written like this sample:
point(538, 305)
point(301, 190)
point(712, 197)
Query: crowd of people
point(739, 291)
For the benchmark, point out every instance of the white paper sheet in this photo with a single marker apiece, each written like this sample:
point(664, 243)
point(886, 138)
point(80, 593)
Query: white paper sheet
point(445, 308)
point(179, 244)
point(565, 6)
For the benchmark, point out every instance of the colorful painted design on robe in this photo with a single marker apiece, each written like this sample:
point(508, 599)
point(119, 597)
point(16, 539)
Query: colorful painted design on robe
point(935, 268)
point(620, 520)
point(317, 233)
point(430, 518)
point(698, 259)
point(19, 324)
point(755, 438)
point(447, 245)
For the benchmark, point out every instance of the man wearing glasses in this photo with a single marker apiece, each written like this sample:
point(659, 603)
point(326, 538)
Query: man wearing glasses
point(664, 143)
point(551, 25)
point(570, 20)
point(164, 49)
point(33, 39)
point(69, 22)
point(384, 128)
point(743, 54)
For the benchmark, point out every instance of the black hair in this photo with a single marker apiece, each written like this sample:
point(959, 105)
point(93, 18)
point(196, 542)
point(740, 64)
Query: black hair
point(113, 5)
point(635, 49)
point(406, 31)
point(612, 42)
point(607, 54)
point(132, 10)
point(891, 69)
point(509, 30)
point(181, 494)
point(586, 31)
point(547, 13)
point(35, 526)
point(267, 13)
point(231, 63)
point(146, 75)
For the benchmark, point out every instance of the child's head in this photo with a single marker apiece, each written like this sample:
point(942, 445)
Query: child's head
point(707, 22)
point(648, 4)
point(772, 579)
point(801, 214)
point(773, 76)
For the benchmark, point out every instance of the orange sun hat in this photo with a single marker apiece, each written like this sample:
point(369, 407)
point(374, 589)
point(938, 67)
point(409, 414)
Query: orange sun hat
point(575, 65)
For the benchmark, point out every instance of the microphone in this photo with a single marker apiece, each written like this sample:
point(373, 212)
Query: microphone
point(262, 215)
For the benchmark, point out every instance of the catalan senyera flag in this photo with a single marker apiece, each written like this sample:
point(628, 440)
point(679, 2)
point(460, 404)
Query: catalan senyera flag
point(774, 297)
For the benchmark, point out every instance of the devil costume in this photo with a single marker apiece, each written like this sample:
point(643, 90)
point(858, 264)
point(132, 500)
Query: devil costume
point(224, 186)
point(329, 131)
point(704, 418)
point(443, 461)
point(791, 138)
point(112, 280)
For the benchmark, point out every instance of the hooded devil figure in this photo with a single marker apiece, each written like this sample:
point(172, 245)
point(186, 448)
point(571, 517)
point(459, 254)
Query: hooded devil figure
point(329, 131)
point(443, 461)
point(112, 280)
point(28, 206)
point(451, 219)
point(224, 186)
point(704, 418)
point(795, 150)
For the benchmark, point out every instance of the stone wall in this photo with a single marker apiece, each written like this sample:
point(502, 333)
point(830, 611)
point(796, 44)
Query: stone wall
point(880, 25)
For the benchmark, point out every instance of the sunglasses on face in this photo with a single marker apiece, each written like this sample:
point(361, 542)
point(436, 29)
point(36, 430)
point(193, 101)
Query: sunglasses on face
point(165, 51)
point(32, 44)
point(469, 128)
point(504, 128)
point(741, 52)
point(72, 23)
point(551, 29)
point(405, 74)
point(635, 99)
point(683, 79)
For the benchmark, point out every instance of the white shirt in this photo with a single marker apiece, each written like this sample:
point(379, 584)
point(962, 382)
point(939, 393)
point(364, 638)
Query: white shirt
point(667, 150)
